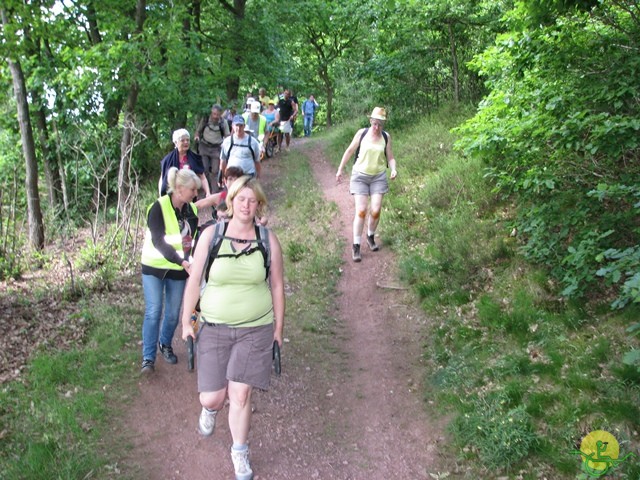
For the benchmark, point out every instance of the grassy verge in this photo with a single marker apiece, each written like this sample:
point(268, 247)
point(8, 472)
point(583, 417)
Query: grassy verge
point(525, 374)
point(312, 248)
point(56, 421)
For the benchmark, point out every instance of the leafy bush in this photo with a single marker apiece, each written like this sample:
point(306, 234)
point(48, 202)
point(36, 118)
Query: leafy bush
point(559, 134)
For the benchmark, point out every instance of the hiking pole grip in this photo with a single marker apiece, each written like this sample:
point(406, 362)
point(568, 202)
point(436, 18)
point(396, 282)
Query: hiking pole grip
point(276, 358)
point(190, 353)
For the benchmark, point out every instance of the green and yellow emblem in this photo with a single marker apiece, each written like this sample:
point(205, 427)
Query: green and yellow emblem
point(600, 452)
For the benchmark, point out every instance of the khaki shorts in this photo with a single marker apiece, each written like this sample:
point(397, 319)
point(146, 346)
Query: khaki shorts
point(242, 355)
point(363, 184)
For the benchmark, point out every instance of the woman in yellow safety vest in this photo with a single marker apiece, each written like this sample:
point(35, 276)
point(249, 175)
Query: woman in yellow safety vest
point(172, 223)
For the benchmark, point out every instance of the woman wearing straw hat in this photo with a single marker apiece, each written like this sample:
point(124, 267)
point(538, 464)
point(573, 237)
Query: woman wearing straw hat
point(372, 148)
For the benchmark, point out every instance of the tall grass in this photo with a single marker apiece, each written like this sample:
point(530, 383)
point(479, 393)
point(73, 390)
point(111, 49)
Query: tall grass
point(525, 374)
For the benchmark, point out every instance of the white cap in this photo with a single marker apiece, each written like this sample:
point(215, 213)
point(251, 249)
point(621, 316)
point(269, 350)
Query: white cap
point(255, 107)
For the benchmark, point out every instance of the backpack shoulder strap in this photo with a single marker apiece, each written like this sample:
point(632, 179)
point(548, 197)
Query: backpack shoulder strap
point(230, 146)
point(364, 132)
point(262, 236)
point(214, 247)
point(385, 135)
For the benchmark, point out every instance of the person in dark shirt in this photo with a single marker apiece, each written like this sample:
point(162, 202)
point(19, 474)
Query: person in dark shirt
point(181, 157)
point(288, 110)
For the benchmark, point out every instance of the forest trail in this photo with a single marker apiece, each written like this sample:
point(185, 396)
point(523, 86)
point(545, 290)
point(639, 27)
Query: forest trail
point(356, 415)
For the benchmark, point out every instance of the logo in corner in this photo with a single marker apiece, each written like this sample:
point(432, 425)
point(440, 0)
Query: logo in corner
point(600, 453)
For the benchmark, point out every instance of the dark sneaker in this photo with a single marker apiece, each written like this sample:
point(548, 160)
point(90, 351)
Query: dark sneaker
point(147, 366)
point(372, 243)
point(356, 253)
point(167, 353)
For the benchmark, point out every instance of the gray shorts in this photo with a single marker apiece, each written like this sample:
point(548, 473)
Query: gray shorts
point(242, 355)
point(363, 184)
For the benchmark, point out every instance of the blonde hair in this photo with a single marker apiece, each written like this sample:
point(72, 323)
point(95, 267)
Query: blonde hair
point(247, 181)
point(181, 178)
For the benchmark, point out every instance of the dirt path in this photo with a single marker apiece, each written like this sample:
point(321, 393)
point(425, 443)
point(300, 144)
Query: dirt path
point(356, 414)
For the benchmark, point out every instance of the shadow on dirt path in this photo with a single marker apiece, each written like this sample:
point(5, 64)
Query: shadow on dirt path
point(357, 414)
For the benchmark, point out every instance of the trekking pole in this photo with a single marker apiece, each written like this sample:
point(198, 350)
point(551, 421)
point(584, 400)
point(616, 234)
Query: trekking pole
point(190, 343)
point(276, 358)
point(190, 361)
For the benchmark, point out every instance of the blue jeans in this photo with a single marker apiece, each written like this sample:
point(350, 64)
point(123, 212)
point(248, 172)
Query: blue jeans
point(308, 125)
point(154, 289)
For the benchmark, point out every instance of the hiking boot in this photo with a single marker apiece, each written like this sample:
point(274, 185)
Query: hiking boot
point(240, 459)
point(147, 366)
point(356, 252)
point(167, 353)
point(207, 422)
point(372, 243)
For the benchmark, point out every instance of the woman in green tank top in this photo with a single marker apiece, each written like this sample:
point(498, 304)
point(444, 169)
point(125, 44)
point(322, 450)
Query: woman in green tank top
point(242, 316)
point(368, 184)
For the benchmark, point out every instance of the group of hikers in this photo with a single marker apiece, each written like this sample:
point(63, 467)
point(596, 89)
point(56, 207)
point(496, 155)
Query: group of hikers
point(235, 276)
point(261, 127)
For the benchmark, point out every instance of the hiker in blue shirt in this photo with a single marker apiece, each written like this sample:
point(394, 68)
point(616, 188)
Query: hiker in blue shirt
point(309, 108)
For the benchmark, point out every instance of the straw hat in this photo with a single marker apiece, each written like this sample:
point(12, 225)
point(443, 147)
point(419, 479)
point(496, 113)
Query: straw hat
point(379, 113)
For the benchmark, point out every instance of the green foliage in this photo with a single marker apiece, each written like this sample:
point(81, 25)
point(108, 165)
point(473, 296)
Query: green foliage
point(558, 134)
point(295, 251)
point(93, 255)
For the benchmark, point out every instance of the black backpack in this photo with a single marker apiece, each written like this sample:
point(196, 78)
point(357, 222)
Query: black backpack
point(262, 244)
point(386, 141)
point(248, 145)
point(210, 126)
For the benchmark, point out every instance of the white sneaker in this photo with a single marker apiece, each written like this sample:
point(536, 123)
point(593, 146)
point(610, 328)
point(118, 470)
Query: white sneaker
point(207, 422)
point(240, 459)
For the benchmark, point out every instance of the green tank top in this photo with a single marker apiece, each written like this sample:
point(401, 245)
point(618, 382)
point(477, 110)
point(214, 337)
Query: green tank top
point(237, 293)
point(371, 159)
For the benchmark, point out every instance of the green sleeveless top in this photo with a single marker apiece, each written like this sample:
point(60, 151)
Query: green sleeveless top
point(237, 293)
point(371, 159)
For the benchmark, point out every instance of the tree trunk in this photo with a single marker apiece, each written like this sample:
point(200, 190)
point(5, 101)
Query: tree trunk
point(49, 160)
point(454, 64)
point(126, 144)
point(328, 88)
point(236, 45)
point(63, 176)
point(126, 147)
point(36, 226)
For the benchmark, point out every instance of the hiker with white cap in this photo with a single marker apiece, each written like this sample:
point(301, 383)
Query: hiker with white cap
point(256, 123)
point(373, 155)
